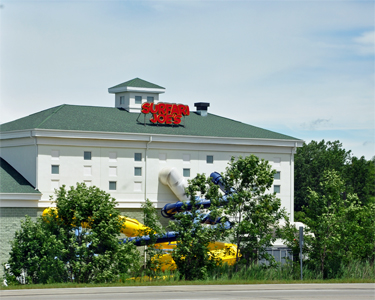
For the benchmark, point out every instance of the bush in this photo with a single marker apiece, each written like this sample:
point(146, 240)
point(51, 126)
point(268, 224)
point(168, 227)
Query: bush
point(77, 242)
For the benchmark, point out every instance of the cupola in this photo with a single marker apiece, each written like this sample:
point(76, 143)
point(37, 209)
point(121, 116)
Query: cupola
point(131, 94)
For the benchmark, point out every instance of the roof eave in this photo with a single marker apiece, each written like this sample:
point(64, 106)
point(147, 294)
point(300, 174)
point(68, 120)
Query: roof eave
point(54, 133)
point(115, 90)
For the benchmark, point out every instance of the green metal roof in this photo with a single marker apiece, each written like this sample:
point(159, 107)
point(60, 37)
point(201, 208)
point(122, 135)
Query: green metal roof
point(137, 82)
point(108, 119)
point(13, 182)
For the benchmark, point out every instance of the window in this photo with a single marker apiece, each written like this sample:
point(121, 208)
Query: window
point(138, 99)
point(87, 170)
point(137, 156)
point(55, 169)
point(277, 175)
point(186, 172)
point(112, 171)
point(137, 171)
point(276, 189)
point(210, 159)
point(55, 154)
point(87, 155)
point(122, 100)
point(150, 99)
point(112, 185)
point(88, 183)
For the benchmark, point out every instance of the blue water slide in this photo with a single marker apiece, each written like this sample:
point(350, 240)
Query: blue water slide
point(170, 209)
point(170, 236)
point(218, 180)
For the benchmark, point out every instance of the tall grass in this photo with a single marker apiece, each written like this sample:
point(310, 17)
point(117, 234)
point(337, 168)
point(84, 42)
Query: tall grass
point(290, 271)
point(355, 271)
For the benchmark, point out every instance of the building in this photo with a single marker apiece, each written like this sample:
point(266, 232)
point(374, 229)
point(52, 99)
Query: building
point(120, 150)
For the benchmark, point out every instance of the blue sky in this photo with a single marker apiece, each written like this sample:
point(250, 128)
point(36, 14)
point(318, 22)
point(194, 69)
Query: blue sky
point(303, 68)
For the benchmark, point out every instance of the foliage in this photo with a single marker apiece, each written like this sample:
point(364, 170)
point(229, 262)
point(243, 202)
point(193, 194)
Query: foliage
point(286, 272)
point(340, 228)
point(313, 159)
point(85, 234)
point(36, 254)
point(151, 220)
point(191, 254)
point(360, 179)
point(254, 210)
point(310, 162)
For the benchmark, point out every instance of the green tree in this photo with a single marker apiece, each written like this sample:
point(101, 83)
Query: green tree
point(152, 252)
point(36, 254)
point(341, 228)
point(360, 178)
point(191, 254)
point(311, 160)
point(86, 233)
point(252, 208)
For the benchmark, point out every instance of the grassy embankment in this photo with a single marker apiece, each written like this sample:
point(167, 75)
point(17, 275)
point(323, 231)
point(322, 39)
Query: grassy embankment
point(353, 273)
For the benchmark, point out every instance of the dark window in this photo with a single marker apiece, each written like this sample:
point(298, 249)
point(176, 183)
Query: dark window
point(138, 99)
point(55, 169)
point(87, 155)
point(137, 171)
point(186, 172)
point(112, 185)
point(138, 156)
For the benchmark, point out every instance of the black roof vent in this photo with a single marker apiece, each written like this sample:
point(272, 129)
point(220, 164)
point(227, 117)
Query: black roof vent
point(202, 108)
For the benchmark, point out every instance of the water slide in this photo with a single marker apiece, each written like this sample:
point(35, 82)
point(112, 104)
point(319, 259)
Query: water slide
point(170, 177)
point(132, 228)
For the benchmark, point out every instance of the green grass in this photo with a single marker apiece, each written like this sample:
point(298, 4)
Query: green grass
point(355, 272)
point(182, 282)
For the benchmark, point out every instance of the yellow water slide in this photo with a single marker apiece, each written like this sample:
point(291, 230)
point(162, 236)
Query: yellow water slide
point(132, 228)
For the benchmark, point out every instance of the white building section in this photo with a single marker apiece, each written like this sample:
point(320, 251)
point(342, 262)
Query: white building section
point(117, 151)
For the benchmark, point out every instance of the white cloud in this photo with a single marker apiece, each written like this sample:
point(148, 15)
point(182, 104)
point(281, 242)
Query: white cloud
point(366, 43)
point(316, 124)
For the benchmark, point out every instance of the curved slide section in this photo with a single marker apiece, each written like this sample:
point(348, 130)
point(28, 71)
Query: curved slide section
point(170, 177)
point(177, 183)
point(130, 227)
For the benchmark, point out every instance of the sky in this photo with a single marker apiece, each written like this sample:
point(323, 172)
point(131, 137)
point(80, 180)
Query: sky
point(301, 68)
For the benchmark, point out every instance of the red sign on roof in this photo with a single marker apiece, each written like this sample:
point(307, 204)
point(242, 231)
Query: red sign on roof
point(166, 113)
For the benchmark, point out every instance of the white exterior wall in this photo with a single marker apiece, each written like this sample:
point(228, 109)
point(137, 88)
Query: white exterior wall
point(30, 152)
point(72, 166)
point(129, 97)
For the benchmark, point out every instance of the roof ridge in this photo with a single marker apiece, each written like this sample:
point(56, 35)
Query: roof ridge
point(138, 82)
point(58, 108)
